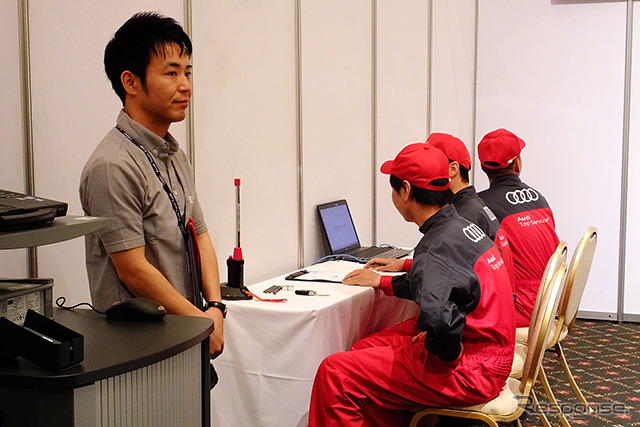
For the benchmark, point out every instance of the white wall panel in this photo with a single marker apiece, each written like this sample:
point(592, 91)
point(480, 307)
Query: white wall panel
point(336, 113)
point(73, 108)
point(632, 267)
point(401, 102)
point(453, 69)
point(12, 263)
point(553, 74)
point(245, 127)
point(11, 164)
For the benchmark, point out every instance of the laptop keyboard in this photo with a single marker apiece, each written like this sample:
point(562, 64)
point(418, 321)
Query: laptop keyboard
point(370, 252)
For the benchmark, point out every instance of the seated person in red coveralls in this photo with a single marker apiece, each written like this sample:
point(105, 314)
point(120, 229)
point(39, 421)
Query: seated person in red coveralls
point(459, 349)
point(524, 215)
point(465, 200)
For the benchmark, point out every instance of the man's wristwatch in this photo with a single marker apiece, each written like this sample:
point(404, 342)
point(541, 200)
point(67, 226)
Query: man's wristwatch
point(219, 305)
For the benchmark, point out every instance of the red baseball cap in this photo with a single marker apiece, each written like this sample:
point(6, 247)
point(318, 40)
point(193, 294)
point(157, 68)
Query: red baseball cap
point(452, 147)
point(499, 148)
point(420, 164)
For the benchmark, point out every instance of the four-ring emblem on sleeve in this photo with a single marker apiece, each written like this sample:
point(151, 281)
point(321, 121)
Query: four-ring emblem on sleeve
point(522, 196)
point(473, 233)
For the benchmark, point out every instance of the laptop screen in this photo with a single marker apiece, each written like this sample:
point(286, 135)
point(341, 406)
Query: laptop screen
point(338, 226)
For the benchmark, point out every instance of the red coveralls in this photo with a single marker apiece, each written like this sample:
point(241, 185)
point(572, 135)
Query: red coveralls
point(459, 280)
point(526, 218)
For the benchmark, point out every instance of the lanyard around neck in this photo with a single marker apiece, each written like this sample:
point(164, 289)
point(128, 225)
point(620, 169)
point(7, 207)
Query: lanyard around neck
point(165, 186)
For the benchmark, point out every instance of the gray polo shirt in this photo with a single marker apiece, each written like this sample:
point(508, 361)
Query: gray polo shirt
point(118, 182)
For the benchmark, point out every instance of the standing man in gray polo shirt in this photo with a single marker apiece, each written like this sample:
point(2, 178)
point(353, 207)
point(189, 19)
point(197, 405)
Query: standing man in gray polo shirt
point(139, 177)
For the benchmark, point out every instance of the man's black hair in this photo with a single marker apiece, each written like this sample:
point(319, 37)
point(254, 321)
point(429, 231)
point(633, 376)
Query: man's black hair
point(424, 196)
point(131, 48)
point(497, 173)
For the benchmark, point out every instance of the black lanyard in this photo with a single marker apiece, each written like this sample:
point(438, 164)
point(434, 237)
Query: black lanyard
point(165, 186)
point(191, 244)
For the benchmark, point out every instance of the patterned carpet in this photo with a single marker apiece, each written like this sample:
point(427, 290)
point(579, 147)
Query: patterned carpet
point(605, 361)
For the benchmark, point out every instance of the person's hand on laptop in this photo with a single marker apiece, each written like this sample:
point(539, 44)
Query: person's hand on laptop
point(385, 264)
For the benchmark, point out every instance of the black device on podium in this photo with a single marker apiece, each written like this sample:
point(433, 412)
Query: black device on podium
point(27, 327)
point(42, 341)
point(20, 211)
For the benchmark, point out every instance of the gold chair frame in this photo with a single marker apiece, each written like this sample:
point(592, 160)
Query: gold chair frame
point(557, 259)
point(577, 275)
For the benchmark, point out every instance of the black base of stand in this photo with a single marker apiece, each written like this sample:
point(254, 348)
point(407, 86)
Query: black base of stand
point(235, 273)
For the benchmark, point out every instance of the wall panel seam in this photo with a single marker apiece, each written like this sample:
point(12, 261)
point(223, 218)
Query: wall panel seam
point(27, 117)
point(429, 66)
point(299, 141)
point(191, 146)
point(474, 95)
point(374, 122)
point(624, 191)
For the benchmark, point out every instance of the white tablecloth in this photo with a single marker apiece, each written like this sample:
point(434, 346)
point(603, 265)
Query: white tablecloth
point(272, 350)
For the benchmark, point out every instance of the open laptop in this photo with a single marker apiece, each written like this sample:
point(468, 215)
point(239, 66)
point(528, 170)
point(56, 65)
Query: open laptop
point(340, 237)
point(20, 211)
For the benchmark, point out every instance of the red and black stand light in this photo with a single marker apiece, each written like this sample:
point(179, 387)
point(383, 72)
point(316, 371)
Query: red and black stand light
point(235, 263)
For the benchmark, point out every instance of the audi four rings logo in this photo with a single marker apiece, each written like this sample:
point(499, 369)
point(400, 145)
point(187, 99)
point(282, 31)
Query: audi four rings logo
point(525, 195)
point(473, 233)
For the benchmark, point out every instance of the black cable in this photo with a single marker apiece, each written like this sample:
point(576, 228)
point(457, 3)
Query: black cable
point(348, 257)
point(387, 245)
point(61, 300)
point(345, 257)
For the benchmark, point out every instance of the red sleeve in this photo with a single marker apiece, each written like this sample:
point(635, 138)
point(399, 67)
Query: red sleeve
point(406, 267)
point(385, 285)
